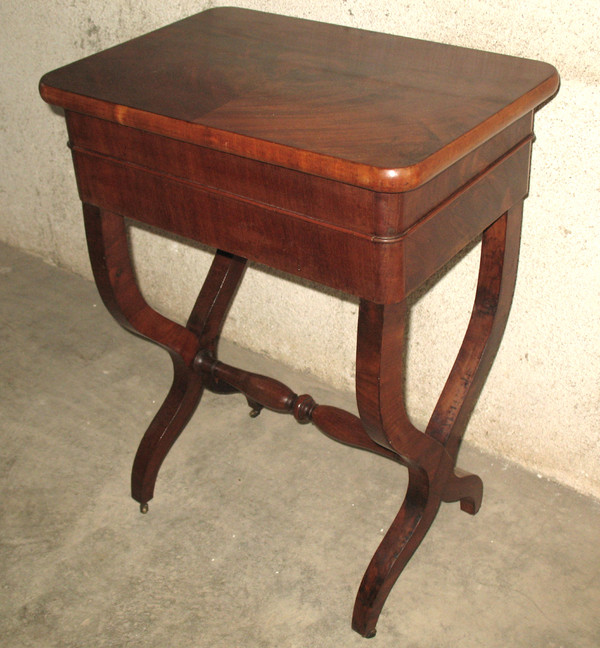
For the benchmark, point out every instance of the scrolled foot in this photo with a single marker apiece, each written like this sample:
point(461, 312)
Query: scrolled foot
point(412, 522)
point(465, 488)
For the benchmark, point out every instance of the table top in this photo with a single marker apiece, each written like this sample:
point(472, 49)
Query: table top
point(379, 111)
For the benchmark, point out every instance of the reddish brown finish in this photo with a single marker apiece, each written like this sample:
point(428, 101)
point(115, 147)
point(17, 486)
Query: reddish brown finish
point(361, 161)
point(263, 391)
point(359, 210)
point(363, 108)
point(364, 265)
point(430, 457)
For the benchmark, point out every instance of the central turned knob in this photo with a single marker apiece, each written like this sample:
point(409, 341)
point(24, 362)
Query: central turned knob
point(303, 408)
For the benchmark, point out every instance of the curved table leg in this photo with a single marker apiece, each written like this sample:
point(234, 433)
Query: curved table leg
point(430, 456)
point(212, 305)
point(402, 539)
point(495, 289)
point(168, 423)
point(379, 392)
point(115, 279)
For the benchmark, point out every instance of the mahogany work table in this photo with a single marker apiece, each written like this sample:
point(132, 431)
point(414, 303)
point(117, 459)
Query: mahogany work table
point(354, 159)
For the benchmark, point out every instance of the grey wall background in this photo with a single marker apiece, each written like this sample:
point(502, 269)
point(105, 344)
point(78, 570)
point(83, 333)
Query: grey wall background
point(541, 405)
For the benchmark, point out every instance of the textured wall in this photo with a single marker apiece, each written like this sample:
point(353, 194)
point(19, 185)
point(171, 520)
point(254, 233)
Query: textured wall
point(541, 404)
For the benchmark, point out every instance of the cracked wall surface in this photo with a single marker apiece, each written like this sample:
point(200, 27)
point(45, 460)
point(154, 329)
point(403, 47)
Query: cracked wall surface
point(541, 404)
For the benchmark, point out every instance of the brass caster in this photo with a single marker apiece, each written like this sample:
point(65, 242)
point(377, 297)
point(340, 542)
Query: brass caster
point(255, 412)
point(144, 508)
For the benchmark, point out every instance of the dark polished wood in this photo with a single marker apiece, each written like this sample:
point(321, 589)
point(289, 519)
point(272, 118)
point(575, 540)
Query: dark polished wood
point(358, 160)
point(363, 108)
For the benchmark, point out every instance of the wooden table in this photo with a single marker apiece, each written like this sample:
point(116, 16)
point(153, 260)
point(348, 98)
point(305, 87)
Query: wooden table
point(357, 160)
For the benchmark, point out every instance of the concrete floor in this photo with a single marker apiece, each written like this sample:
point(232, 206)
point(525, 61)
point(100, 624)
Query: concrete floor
point(260, 529)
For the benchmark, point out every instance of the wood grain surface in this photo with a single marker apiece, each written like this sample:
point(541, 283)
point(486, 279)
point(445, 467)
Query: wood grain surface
point(379, 111)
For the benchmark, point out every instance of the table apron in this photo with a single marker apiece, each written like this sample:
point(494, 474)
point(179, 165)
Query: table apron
point(383, 270)
point(350, 207)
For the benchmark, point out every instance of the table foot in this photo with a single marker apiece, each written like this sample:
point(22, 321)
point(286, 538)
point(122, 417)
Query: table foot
point(255, 407)
point(465, 488)
point(168, 423)
point(404, 536)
